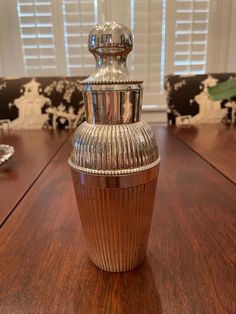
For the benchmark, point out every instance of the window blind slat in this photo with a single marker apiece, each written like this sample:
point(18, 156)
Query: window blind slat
point(147, 58)
point(78, 18)
point(191, 36)
point(37, 34)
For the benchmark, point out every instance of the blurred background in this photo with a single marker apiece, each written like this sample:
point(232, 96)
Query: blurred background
point(49, 38)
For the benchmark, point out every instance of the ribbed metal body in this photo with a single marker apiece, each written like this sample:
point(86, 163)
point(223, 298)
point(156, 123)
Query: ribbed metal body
point(116, 220)
point(115, 158)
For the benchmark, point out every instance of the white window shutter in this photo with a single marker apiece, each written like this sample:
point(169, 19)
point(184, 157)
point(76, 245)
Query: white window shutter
point(148, 26)
point(78, 18)
point(191, 36)
point(37, 36)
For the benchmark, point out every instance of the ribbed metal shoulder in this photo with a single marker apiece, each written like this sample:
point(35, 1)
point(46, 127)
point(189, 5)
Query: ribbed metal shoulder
point(114, 149)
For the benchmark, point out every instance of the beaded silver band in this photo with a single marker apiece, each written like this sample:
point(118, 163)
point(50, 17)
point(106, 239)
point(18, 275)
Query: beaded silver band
point(107, 82)
point(113, 172)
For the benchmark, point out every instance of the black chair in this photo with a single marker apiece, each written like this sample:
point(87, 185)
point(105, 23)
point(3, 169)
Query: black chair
point(41, 102)
point(188, 99)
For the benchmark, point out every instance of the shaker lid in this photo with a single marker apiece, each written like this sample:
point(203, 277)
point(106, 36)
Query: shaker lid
point(110, 43)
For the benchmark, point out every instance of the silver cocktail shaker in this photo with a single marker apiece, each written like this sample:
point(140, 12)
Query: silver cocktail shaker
point(115, 159)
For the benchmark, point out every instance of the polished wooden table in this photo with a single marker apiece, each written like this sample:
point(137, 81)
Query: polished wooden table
point(191, 258)
point(214, 143)
point(33, 152)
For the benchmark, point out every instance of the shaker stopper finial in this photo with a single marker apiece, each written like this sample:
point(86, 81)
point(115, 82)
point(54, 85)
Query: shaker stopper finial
point(110, 43)
point(110, 38)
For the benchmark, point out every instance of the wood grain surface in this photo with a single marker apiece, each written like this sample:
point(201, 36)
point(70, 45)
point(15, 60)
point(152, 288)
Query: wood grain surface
point(33, 150)
point(216, 143)
point(190, 264)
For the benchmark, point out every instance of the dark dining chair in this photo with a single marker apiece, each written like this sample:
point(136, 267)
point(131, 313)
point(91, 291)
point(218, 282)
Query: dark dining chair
point(188, 101)
point(41, 102)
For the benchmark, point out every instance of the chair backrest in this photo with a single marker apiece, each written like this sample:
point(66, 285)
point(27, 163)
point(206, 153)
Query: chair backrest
point(41, 102)
point(188, 99)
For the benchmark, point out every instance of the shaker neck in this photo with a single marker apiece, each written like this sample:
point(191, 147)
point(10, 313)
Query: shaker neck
point(108, 104)
point(109, 60)
point(110, 68)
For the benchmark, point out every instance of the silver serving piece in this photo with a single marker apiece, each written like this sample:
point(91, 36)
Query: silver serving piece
point(115, 159)
point(6, 152)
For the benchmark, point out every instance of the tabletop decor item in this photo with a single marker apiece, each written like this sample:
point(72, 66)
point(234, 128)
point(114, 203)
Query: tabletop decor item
point(6, 152)
point(115, 158)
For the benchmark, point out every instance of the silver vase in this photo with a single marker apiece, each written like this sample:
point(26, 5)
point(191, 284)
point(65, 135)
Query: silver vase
point(115, 159)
